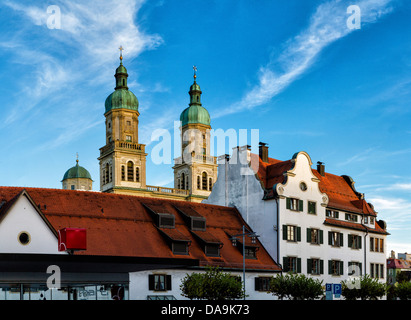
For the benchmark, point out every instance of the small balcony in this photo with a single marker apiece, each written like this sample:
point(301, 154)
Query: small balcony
point(122, 145)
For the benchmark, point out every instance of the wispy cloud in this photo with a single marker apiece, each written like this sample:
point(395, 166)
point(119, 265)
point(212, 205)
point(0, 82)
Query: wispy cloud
point(327, 25)
point(73, 61)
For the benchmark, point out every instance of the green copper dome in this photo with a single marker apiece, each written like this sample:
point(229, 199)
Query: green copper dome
point(121, 98)
point(77, 172)
point(195, 114)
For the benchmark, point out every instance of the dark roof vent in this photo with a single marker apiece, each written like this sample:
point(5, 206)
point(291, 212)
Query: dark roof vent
point(263, 151)
point(321, 168)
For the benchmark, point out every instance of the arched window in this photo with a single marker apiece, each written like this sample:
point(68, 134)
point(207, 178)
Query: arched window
point(107, 174)
point(137, 174)
point(123, 173)
point(204, 180)
point(183, 181)
point(130, 173)
point(210, 184)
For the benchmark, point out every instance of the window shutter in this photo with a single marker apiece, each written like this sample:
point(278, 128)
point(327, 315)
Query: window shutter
point(309, 266)
point(321, 237)
point(341, 268)
point(359, 242)
point(284, 232)
point(337, 214)
point(300, 205)
point(350, 241)
point(168, 282)
point(285, 264)
point(330, 266)
point(298, 234)
point(256, 283)
point(288, 203)
point(308, 235)
point(330, 238)
point(298, 265)
point(151, 282)
point(360, 265)
point(341, 239)
point(321, 266)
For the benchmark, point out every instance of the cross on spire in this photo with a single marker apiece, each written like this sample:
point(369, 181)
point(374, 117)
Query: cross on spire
point(121, 52)
point(195, 71)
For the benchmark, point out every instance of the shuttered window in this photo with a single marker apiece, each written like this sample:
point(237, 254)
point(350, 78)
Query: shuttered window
point(294, 204)
point(159, 282)
point(291, 233)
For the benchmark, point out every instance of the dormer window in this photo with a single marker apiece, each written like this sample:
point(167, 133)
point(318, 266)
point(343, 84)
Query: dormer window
point(166, 220)
point(198, 223)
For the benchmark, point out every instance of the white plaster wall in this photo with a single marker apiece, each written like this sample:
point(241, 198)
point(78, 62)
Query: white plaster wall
point(23, 217)
point(243, 190)
point(139, 284)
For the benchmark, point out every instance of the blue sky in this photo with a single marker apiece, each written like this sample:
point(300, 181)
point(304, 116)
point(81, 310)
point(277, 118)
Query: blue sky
point(292, 69)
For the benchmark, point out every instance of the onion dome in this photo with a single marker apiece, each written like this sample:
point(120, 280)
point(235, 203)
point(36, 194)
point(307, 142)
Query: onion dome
point(121, 98)
point(195, 113)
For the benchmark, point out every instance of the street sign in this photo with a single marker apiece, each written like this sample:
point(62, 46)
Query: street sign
point(337, 288)
point(328, 287)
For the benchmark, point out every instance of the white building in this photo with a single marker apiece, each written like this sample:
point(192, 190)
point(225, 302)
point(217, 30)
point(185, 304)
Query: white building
point(310, 221)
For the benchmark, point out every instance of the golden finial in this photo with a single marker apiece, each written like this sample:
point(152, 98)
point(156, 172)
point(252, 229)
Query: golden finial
point(195, 71)
point(121, 52)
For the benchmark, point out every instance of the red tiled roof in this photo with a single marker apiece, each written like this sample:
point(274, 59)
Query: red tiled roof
point(340, 193)
point(353, 225)
point(120, 225)
point(398, 264)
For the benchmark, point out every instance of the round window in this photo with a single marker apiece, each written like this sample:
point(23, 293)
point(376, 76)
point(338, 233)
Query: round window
point(24, 238)
point(303, 186)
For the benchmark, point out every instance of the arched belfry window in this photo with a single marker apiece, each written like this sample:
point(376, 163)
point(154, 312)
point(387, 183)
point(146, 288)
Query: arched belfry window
point(210, 184)
point(107, 173)
point(204, 175)
point(183, 181)
point(137, 174)
point(130, 173)
point(123, 173)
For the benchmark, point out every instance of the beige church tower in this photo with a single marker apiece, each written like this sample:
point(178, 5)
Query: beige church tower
point(196, 169)
point(122, 159)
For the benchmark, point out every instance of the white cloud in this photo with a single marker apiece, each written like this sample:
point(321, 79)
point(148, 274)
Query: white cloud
point(327, 25)
point(78, 58)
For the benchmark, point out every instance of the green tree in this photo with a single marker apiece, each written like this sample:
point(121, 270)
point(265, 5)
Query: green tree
point(212, 285)
point(296, 287)
point(367, 289)
point(402, 290)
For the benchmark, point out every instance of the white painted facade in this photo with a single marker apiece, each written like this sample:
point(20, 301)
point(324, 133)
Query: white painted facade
point(139, 284)
point(24, 219)
point(270, 218)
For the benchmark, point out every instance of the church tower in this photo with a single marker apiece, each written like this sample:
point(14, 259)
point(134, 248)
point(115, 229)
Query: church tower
point(196, 169)
point(122, 160)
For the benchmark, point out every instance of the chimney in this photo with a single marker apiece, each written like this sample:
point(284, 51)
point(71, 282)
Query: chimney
point(263, 151)
point(321, 168)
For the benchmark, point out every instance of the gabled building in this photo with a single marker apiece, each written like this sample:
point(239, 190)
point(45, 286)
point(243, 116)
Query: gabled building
point(134, 247)
point(310, 221)
point(397, 266)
